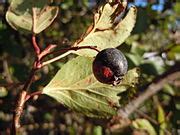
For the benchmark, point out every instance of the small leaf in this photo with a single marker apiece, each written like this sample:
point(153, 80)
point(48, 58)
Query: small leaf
point(177, 8)
point(3, 92)
point(76, 87)
point(20, 15)
point(137, 49)
point(152, 67)
point(134, 58)
point(174, 53)
point(97, 130)
point(145, 125)
point(169, 89)
point(106, 32)
point(161, 120)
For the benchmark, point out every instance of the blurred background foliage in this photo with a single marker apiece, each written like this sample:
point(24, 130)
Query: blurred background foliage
point(154, 46)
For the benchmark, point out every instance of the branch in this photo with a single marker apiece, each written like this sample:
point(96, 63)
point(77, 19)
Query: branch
point(149, 90)
point(20, 103)
point(161, 52)
point(18, 111)
point(22, 97)
point(155, 86)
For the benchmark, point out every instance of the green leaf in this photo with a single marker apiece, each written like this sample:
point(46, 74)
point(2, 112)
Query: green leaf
point(169, 89)
point(145, 125)
point(174, 53)
point(3, 92)
point(106, 32)
point(137, 49)
point(161, 120)
point(20, 15)
point(76, 87)
point(97, 130)
point(152, 67)
point(177, 8)
point(134, 58)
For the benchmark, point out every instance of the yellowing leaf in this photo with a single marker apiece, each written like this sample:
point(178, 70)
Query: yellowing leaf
point(76, 87)
point(161, 120)
point(3, 92)
point(145, 125)
point(106, 31)
point(20, 15)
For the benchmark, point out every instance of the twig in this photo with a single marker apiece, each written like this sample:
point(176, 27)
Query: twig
point(46, 51)
point(155, 86)
point(53, 59)
point(30, 79)
point(35, 45)
point(24, 96)
point(149, 90)
point(66, 52)
point(33, 94)
point(21, 101)
point(75, 49)
point(146, 117)
point(6, 71)
point(177, 83)
point(161, 52)
point(18, 111)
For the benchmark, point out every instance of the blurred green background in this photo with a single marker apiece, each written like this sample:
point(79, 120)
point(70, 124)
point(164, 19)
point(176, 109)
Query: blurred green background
point(154, 46)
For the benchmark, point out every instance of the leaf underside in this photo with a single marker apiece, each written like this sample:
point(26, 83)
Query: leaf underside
point(20, 15)
point(106, 31)
point(76, 87)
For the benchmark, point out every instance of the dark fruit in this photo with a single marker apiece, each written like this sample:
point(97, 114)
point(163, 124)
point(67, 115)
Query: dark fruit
point(109, 66)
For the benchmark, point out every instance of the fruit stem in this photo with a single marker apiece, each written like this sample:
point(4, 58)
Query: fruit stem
point(66, 51)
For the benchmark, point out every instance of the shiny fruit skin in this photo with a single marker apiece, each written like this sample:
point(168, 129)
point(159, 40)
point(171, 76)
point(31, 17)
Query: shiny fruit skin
point(109, 66)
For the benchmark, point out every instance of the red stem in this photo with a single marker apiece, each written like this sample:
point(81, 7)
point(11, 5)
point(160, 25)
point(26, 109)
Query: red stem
point(35, 45)
point(33, 94)
point(24, 96)
point(21, 101)
point(46, 51)
point(30, 79)
point(18, 111)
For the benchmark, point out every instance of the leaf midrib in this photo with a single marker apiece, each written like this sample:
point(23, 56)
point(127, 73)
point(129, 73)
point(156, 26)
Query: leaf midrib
point(76, 91)
point(77, 102)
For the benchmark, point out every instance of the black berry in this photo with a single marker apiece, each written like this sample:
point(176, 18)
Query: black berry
point(109, 66)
